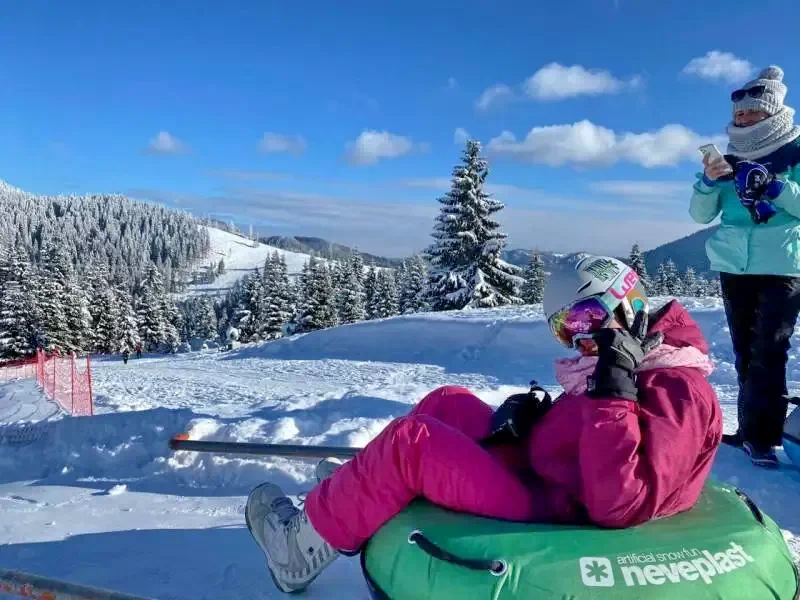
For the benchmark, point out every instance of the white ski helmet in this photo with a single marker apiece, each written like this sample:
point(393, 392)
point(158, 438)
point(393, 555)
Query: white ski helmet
point(614, 283)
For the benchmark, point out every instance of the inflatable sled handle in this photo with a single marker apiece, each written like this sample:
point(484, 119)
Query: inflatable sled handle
point(495, 567)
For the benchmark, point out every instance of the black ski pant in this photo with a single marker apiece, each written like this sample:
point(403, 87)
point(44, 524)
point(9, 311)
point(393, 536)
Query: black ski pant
point(762, 312)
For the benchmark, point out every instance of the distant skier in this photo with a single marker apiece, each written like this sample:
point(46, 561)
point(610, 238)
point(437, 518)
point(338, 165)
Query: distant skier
point(632, 438)
point(125, 356)
point(139, 350)
point(756, 189)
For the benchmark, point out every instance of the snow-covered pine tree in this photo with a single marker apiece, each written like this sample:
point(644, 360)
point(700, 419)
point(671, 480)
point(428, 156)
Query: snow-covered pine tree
point(172, 326)
point(276, 302)
point(252, 327)
point(55, 273)
point(127, 327)
point(370, 286)
point(205, 326)
point(673, 283)
point(467, 270)
point(76, 311)
point(351, 293)
point(701, 287)
point(533, 288)
point(319, 306)
point(150, 309)
point(384, 300)
point(659, 285)
point(338, 281)
point(412, 293)
point(637, 263)
point(714, 287)
point(16, 330)
point(107, 330)
point(690, 282)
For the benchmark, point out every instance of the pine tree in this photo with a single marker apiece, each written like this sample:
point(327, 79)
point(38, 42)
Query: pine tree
point(351, 294)
point(659, 286)
point(16, 329)
point(107, 329)
point(637, 263)
point(76, 311)
point(690, 282)
point(701, 287)
point(714, 287)
point(172, 326)
point(127, 327)
point(370, 285)
point(384, 300)
point(467, 270)
point(276, 299)
point(319, 306)
point(54, 297)
point(205, 326)
point(412, 290)
point(533, 288)
point(673, 283)
point(150, 309)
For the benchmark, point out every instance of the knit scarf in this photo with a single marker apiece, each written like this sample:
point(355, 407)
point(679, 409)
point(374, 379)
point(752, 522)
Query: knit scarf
point(571, 373)
point(764, 137)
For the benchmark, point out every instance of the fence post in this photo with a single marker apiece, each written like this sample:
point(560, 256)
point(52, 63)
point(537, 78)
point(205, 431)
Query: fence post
point(89, 380)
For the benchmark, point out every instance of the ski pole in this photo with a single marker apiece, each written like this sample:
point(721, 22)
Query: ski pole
point(28, 585)
point(181, 441)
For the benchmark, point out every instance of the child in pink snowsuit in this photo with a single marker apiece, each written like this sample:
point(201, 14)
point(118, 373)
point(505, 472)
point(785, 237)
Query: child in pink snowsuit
point(632, 438)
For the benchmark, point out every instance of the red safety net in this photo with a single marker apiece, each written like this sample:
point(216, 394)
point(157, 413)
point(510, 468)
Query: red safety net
point(66, 380)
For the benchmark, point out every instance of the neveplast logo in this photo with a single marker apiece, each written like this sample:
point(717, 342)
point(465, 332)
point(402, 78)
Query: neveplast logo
point(642, 569)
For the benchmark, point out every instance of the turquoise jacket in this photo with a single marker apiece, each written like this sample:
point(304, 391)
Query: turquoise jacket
point(742, 247)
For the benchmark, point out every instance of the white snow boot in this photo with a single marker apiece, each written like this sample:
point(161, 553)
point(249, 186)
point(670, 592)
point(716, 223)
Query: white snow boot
point(296, 553)
point(327, 467)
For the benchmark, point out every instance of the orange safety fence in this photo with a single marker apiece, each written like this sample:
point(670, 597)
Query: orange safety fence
point(66, 380)
point(19, 369)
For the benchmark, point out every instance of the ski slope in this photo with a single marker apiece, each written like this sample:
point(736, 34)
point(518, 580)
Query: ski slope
point(240, 257)
point(103, 502)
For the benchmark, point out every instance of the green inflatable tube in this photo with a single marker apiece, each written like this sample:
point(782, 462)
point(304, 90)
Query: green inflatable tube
point(725, 547)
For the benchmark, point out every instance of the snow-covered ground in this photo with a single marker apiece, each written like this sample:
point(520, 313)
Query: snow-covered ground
point(102, 501)
point(240, 257)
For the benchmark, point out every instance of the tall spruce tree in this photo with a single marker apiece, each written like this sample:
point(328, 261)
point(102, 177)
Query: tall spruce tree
point(690, 282)
point(672, 279)
point(150, 309)
point(637, 263)
point(16, 306)
point(127, 327)
point(412, 289)
point(467, 270)
point(384, 300)
point(53, 298)
point(534, 275)
point(351, 294)
point(370, 287)
point(319, 305)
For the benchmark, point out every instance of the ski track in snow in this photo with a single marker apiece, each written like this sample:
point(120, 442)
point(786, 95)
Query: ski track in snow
point(102, 501)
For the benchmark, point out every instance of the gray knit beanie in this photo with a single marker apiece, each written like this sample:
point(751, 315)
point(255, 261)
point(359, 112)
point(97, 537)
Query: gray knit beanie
point(771, 101)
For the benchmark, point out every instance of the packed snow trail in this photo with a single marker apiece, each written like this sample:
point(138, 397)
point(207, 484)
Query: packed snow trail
point(102, 501)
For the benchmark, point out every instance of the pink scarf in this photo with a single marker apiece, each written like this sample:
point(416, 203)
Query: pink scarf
point(571, 373)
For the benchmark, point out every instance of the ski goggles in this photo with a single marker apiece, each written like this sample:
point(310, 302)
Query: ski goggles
point(754, 92)
point(579, 320)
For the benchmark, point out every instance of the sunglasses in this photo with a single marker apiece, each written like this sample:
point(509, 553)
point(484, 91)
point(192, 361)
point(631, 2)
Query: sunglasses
point(754, 92)
point(576, 321)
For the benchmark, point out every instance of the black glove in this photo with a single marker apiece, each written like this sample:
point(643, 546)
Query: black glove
point(619, 353)
point(515, 417)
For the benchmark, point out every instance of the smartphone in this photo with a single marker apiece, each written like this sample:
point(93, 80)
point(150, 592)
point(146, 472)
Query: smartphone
point(713, 154)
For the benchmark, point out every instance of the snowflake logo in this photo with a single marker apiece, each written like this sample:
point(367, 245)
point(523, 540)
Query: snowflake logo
point(596, 571)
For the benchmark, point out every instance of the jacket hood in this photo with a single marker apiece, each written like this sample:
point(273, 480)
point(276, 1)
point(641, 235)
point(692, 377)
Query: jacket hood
point(679, 328)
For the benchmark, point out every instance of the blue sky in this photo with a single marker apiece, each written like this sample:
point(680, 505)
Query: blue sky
point(344, 119)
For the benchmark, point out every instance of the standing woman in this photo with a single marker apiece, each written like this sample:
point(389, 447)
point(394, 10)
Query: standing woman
point(757, 252)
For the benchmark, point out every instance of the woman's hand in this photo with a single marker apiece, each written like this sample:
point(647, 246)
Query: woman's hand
point(716, 168)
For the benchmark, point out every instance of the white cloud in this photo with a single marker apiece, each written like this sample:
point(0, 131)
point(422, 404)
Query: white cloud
point(372, 146)
point(165, 143)
point(646, 191)
point(558, 82)
point(452, 83)
point(719, 66)
point(461, 136)
point(585, 144)
point(497, 93)
point(279, 143)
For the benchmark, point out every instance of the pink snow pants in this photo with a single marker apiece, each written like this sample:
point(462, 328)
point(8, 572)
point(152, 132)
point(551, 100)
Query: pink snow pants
point(433, 453)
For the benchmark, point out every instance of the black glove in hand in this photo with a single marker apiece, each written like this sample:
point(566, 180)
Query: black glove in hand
point(514, 418)
point(620, 353)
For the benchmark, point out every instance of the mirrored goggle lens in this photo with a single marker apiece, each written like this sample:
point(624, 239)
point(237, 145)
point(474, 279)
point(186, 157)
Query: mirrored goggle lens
point(585, 316)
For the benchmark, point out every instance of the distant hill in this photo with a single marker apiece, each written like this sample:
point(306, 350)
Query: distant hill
point(319, 247)
point(689, 251)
